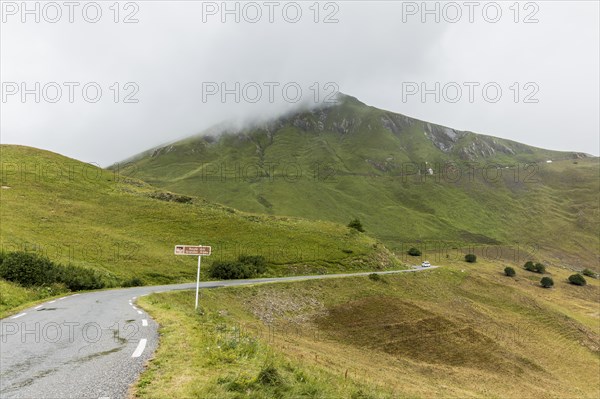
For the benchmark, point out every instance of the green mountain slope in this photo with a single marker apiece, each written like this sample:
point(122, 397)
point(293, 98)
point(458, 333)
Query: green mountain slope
point(407, 180)
point(80, 214)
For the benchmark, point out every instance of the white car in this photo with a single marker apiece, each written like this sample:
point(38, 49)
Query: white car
point(425, 264)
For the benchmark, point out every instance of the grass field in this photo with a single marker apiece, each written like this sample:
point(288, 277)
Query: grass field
point(77, 213)
point(461, 331)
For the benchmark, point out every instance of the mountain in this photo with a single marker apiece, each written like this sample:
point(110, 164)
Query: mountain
point(76, 213)
point(409, 181)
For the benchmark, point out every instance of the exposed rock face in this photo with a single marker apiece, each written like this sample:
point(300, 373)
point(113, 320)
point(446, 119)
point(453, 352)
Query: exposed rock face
point(395, 123)
point(442, 137)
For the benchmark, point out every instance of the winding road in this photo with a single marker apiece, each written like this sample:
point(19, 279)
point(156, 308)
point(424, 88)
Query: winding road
point(91, 345)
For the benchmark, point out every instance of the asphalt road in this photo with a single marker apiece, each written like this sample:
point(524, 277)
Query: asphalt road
point(91, 345)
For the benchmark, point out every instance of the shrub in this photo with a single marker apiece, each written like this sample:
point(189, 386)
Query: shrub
point(133, 282)
point(228, 270)
point(78, 278)
point(471, 258)
point(585, 272)
point(374, 277)
point(509, 271)
point(414, 252)
point(29, 269)
point(529, 266)
point(537, 267)
point(357, 225)
point(546, 282)
point(257, 264)
point(577, 279)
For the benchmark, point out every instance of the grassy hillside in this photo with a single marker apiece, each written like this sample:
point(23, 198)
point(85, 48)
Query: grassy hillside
point(408, 180)
point(80, 214)
point(460, 331)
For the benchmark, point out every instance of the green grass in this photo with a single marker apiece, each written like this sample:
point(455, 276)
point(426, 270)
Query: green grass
point(350, 161)
point(223, 361)
point(80, 214)
point(14, 297)
point(464, 330)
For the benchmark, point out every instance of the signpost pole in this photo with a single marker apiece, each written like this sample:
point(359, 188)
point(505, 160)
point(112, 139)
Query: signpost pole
point(198, 281)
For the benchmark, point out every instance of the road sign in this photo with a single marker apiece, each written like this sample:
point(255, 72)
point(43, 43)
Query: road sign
point(197, 250)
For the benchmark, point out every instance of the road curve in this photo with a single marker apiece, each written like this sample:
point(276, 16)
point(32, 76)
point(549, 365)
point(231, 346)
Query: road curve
point(91, 345)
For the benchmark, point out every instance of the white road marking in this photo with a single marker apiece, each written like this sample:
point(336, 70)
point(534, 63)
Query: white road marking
point(140, 312)
point(74, 294)
point(51, 301)
point(140, 348)
point(18, 315)
point(144, 323)
point(133, 297)
point(60, 299)
point(37, 307)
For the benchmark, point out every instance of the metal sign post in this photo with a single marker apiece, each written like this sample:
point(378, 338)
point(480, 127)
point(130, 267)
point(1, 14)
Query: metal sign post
point(198, 250)
point(198, 281)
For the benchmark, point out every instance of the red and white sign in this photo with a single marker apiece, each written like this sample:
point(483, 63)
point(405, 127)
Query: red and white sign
point(196, 250)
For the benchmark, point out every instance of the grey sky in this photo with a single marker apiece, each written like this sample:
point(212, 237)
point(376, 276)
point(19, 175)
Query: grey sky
point(370, 53)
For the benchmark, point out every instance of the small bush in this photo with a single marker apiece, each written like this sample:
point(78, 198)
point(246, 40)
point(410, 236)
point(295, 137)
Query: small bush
point(374, 277)
point(133, 282)
point(529, 266)
point(228, 270)
point(546, 282)
point(509, 271)
point(245, 267)
point(577, 279)
point(356, 225)
point(30, 269)
point(414, 251)
point(78, 278)
point(471, 258)
point(539, 268)
point(585, 272)
point(256, 264)
point(536, 268)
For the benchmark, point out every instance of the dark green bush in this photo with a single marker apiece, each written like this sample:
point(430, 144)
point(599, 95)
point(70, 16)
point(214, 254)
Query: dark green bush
point(245, 267)
point(509, 271)
point(414, 251)
point(537, 267)
point(546, 282)
point(228, 270)
point(374, 277)
point(471, 258)
point(585, 272)
point(30, 269)
point(529, 266)
point(577, 279)
point(357, 225)
point(133, 282)
point(257, 264)
point(78, 278)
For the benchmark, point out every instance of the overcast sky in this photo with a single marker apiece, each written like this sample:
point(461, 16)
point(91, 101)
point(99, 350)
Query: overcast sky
point(174, 61)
